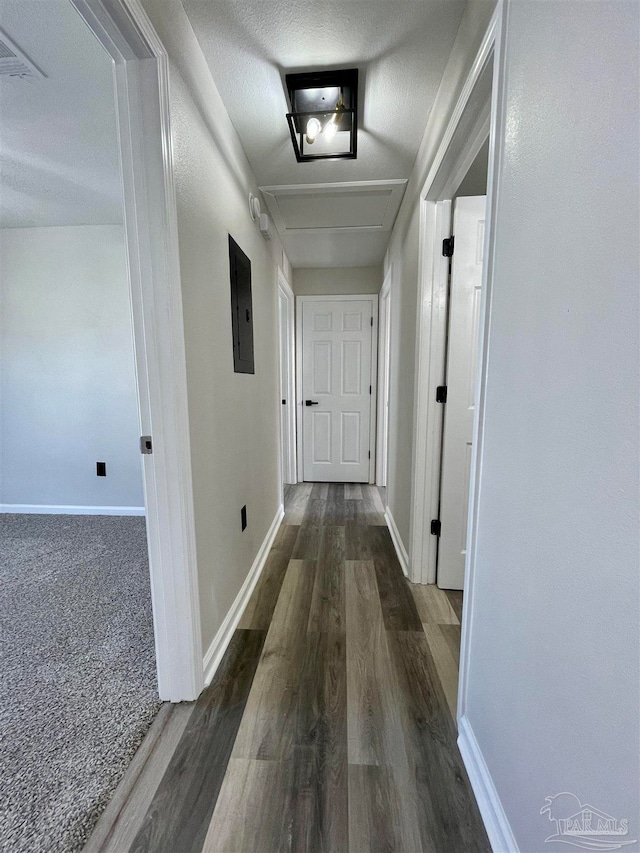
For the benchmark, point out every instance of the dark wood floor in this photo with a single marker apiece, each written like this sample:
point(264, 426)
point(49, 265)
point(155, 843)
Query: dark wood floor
point(329, 725)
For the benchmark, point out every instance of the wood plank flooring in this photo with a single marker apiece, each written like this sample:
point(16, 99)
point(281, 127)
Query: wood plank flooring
point(330, 724)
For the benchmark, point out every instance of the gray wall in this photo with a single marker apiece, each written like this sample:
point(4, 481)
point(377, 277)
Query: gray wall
point(234, 418)
point(475, 181)
point(68, 382)
point(553, 682)
point(336, 281)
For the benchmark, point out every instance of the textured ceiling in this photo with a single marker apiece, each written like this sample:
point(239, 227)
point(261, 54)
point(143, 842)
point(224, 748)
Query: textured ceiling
point(400, 48)
point(58, 149)
point(59, 161)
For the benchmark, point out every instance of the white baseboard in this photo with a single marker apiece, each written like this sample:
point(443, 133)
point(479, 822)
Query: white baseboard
point(222, 639)
point(401, 551)
point(495, 820)
point(46, 509)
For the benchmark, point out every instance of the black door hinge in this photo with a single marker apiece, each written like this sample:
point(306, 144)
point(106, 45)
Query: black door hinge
point(441, 394)
point(436, 527)
point(372, 321)
point(447, 247)
point(369, 388)
point(369, 454)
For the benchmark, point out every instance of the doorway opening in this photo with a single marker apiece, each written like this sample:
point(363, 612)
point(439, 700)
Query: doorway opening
point(79, 652)
point(97, 525)
point(461, 154)
point(454, 191)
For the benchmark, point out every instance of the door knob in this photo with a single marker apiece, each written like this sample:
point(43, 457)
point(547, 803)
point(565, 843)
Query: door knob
point(311, 403)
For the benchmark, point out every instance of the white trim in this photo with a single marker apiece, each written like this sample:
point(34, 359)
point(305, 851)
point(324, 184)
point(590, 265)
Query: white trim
point(373, 424)
point(305, 189)
point(495, 820)
point(66, 509)
point(435, 221)
point(141, 79)
point(222, 639)
point(463, 138)
point(299, 409)
point(384, 355)
point(342, 297)
point(398, 544)
point(358, 297)
point(288, 412)
point(496, 155)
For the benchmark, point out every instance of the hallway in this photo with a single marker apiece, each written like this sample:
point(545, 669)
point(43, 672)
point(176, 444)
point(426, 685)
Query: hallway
point(328, 724)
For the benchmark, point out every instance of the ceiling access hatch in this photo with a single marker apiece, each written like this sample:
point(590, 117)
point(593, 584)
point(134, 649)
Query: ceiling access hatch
point(349, 206)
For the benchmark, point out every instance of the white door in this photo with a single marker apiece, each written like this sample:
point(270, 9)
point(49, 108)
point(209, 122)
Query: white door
point(384, 350)
point(284, 375)
point(337, 377)
point(464, 318)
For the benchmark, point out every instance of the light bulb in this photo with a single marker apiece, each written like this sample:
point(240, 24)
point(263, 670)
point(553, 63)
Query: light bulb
point(313, 129)
point(330, 130)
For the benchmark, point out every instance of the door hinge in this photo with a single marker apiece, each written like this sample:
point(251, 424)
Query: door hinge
point(372, 321)
point(436, 527)
point(146, 444)
point(441, 394)
point(369, 388)
point(447, 247)
point(369, 454)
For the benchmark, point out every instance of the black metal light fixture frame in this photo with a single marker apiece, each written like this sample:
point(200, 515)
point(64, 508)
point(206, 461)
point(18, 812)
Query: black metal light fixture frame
point(347, 82)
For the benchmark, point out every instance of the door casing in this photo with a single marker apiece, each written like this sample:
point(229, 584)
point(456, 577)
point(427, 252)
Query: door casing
point(300, 301)
point(477, 114)
point(286, 332)
point(141, 83)
point(465, 135)
point(384, 352)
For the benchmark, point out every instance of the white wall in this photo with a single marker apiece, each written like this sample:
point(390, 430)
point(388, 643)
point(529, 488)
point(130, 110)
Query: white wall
point(234, 418)
point(553, 681)
point(67, 380)
point(403, 254)
point(475, 181)
point(336, 281)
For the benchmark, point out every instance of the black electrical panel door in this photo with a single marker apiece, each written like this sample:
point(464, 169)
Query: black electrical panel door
point(241, 309)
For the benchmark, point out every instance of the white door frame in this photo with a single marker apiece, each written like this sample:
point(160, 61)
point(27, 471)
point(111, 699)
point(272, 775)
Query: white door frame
point(300, 300)
point(465, 135)
point(141, 82)
point(288, 412)
point(384, 352)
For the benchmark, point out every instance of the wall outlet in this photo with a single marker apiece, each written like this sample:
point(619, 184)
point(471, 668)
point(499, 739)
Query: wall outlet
point(243, 516)
point(101, 469)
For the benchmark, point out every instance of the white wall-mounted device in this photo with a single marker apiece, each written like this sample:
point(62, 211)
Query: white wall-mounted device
point(265, 226)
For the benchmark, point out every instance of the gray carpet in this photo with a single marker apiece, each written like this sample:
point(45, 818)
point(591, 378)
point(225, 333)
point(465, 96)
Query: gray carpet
point(78, 672)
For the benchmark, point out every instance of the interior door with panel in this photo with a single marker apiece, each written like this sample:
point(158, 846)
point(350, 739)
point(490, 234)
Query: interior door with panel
point(338, 364)
point(464, 318)
point(284, 375)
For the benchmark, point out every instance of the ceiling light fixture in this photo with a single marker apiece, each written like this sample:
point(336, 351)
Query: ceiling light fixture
point(323, 121)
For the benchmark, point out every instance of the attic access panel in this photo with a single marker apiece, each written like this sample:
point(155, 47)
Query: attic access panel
point(241, 309)
point(329, 98)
